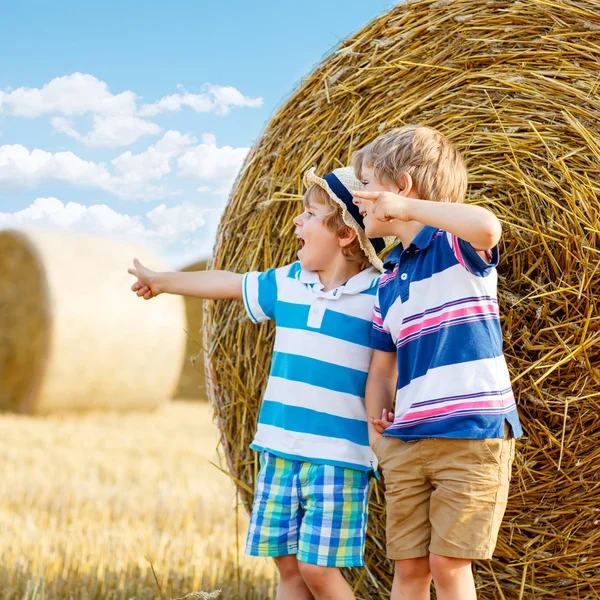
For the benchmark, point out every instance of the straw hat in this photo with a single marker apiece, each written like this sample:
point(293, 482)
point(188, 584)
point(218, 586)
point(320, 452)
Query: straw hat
point(339, 184)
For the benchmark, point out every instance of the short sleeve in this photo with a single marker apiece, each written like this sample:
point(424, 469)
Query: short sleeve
point(470, 259)
point(260, 295)
point(381, 338)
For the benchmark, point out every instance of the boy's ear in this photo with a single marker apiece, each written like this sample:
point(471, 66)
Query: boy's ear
point(347, 237)
point(405, 183)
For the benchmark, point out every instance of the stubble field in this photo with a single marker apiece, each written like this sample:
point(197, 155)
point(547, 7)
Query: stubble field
point(87, 501)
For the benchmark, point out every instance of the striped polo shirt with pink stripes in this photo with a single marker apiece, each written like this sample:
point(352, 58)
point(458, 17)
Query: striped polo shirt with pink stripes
point(437, 308)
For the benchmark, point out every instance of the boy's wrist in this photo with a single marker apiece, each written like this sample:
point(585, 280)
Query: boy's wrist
point(411, 210)
point(160, 283)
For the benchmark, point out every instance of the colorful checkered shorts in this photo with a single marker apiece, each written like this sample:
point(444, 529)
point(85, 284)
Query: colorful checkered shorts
point(317, 512)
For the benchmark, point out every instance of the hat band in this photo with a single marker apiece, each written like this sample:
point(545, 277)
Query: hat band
point(341, 191)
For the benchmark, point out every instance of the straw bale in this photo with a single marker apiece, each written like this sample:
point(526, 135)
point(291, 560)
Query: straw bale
point(515, 85)
point(192, 384)
point(72, 335)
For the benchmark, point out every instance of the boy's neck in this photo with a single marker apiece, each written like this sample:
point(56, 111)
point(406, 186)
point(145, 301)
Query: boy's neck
point(407, 231)
point(337, 273)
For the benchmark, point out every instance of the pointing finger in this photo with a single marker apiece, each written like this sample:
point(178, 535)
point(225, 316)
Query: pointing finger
point(365, 195)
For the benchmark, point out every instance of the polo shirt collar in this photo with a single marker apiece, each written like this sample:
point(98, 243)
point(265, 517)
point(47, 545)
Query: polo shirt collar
point(359, 283)
point(422, 240)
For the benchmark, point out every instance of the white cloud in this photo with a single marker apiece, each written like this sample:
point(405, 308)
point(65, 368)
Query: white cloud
point(209, 163)
point(116, 118)
point(172, 230)
point(75, 94)
point(19, 166)
point(132, 176)
point(51, 212)
point(215, 98)
point(169, 223)
point(108, 131)
point(134, 173)
point(128, 176)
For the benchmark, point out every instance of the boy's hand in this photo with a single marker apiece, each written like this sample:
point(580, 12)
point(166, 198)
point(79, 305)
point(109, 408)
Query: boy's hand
point(387, 419)
point(146, 286)
point(387, 205)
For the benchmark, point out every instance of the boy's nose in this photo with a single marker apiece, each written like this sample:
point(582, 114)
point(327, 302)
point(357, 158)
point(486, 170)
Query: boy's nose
point(356, 200)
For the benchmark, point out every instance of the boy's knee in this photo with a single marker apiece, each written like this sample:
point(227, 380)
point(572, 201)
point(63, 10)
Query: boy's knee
point(447, 568)
point(288, 567)
point(314, 575)
point(412, 569)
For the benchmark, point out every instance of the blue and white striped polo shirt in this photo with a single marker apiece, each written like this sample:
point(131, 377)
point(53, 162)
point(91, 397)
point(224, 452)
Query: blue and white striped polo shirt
point(437, 308)
point(314, 405)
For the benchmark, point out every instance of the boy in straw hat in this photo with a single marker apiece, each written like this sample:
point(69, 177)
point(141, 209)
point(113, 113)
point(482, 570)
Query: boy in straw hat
point(446, 453)
point(310, 504)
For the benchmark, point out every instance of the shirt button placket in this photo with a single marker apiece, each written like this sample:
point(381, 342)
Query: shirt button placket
point(316, 313)
point(405, 267)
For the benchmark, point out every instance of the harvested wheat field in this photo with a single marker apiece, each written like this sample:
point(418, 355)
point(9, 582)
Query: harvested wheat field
point(514, 84)
point(83, 499)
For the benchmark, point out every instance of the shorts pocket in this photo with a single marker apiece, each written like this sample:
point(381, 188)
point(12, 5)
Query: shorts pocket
point(377, 444)
point(490, 450)
point(511, 457)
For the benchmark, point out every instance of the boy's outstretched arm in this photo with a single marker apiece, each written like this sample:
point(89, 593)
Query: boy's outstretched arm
point(211, 285)
point(381, 391)
point(474, 224)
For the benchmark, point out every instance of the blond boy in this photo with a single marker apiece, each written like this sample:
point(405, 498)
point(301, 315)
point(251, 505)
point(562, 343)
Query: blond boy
point(310, 504)
point(446, 451)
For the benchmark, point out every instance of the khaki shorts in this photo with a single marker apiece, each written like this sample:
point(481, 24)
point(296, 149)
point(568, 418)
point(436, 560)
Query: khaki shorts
point(445, 496)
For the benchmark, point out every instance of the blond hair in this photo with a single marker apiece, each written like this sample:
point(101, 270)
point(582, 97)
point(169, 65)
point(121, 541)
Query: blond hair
point(334, 222)
point(436, 167)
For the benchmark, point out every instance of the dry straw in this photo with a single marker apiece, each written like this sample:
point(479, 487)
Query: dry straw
point(515, 85)
point(72, 334)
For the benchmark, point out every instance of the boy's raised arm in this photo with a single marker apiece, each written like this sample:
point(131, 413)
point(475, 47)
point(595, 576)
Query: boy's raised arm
point(210, 285)
point(380, 393)
point(474, 224)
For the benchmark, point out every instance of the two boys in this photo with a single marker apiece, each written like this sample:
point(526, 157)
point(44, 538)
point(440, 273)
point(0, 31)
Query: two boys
point(446, 453)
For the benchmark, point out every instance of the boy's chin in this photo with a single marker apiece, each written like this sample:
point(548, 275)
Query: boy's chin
point(374, 232)
point(307, 263)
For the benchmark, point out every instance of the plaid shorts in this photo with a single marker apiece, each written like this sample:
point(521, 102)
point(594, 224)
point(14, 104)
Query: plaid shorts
point(317, 512)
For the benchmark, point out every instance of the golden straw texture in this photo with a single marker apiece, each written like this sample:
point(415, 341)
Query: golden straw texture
point(72, 334)
point(515, 85)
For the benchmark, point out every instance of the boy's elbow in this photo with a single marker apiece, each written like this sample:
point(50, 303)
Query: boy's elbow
point(495, 233)
point(490, 234)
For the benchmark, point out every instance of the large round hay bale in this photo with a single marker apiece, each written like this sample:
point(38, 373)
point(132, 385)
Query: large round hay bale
point(515, 85)
point(192, 384)
point(72, 334)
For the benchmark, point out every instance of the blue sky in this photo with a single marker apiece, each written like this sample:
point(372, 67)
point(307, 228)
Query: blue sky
point(131, 119)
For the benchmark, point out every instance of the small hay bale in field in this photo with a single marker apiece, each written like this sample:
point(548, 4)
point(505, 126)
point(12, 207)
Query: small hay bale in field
point(192, 384)
point(72, 334)
point(515, 85)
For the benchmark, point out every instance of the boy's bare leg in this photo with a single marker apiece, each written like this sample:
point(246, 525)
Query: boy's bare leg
point(326, 583)
point(412, 579)
point(453, 578)
point(291, 585)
